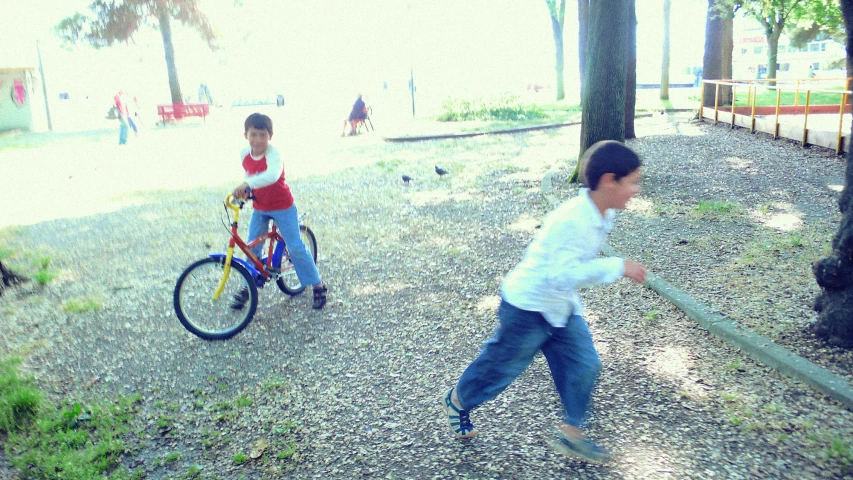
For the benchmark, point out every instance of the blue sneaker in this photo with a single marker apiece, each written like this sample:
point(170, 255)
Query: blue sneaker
point(580, 448)
point(458, 419)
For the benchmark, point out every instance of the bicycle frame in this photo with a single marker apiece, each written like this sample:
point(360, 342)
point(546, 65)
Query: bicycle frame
point(260, 272)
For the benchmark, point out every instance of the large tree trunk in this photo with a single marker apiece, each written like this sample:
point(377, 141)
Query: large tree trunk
point(166, 33)
point(717, 61)
point(558, 16)
point(558, 64)
point(583, 39)
point(664, 68)
point(603, 102)
point(631, 70)
point(9, 278)
point(773, 50)
point(835, 273)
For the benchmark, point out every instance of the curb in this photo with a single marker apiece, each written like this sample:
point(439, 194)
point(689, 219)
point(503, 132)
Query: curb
point(762, 349)
point(497, 132)
point(477, 134)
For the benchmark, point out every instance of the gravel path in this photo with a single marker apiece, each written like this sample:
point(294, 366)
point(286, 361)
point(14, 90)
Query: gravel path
point(414, 274)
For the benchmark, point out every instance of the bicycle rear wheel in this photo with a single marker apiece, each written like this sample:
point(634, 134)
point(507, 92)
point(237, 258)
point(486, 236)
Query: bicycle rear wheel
point(218, 319)
point(288, 282)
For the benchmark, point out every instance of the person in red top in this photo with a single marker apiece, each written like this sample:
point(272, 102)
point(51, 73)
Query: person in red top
point(273, 201)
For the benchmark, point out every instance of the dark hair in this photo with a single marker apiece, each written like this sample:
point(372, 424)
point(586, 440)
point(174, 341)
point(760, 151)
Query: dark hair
point(258, 121)
point(608, 156)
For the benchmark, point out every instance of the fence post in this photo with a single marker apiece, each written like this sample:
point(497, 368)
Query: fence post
point(806, 120)
point(778, 108)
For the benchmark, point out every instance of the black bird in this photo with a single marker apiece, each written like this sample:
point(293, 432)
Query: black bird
point(440, 171)
point(407, 179)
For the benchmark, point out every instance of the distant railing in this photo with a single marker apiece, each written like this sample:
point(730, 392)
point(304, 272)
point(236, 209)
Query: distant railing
point(751, 109)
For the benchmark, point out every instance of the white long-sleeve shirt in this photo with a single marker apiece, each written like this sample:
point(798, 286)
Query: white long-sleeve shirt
point(562, 258)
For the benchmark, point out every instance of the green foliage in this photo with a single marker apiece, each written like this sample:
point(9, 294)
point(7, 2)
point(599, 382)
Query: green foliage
point(243, 401)
point(6, 253)
point(240, 458)
point(20, 399)
point(713, 207)
point(74, 443)
point(79, 305)
point(503, 108)
point(43, 277)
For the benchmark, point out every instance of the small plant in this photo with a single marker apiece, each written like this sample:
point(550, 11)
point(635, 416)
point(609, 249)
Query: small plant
point(734, 365)
point(42, 262)
point(713, 207)
point(731, 397)
point(222, 406)
point(243, 401)
point(765, 208)
point(684, 395)
point(840, 449)
point(44, 276)
point(275, 383)
point(240, 458)
point(222, 387)
point(288, 451)
point(20, 399)
point(772, 408)
point(651, 316)
point(164, 422)
point(79, 305)
point(172, 457)
point(192, 472)
point(736, 421)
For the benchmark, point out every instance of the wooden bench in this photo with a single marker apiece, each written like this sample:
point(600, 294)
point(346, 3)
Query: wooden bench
point(177, 111)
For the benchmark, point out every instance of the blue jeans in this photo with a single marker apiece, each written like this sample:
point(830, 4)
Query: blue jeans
point(570, 353)
point(122, 132)
point(287, 222)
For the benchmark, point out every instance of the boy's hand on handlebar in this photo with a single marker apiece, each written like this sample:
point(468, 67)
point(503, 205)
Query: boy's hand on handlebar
point(242, 192)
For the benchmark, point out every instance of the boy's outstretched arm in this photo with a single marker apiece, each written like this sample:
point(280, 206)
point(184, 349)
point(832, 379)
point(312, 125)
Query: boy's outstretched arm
point(635, 271)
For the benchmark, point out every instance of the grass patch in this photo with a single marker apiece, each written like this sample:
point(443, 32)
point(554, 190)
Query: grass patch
point(74, 443)
point(80, 305)
point(20, 399)
point(504, 108)
point(766, 98)
point(715, 208)
point(240, 458)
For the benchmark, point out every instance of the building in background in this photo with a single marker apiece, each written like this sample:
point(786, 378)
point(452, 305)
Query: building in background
point(823, 58)
point(16, 92)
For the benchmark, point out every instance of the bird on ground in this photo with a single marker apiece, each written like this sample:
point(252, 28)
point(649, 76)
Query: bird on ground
point(440, 171)
point(407, 179)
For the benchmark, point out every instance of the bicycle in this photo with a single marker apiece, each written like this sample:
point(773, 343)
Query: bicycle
point(206, 290)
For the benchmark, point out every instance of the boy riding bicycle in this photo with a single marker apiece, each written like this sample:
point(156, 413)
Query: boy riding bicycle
point(273, 201)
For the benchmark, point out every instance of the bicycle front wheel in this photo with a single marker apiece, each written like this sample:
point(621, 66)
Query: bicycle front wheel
point(288, 282)
point(223, 317)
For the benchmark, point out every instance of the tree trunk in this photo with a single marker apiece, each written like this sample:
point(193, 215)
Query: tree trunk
point(603, 102)
point(727, 45)
point(557, 27)
point(664, 68)
point(773, 50)
point(631, 70)
point(834, 274)
point(9, 278)
point(166, 33)
point(583, 39)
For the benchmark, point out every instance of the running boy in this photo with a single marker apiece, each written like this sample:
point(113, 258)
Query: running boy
point(273, 201)
point(541, 310)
